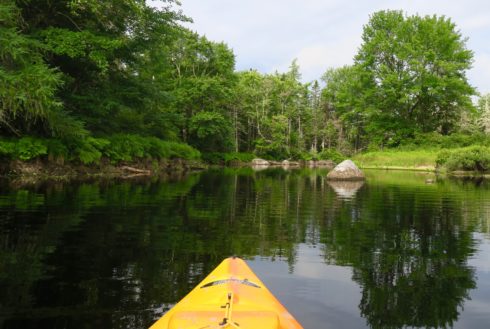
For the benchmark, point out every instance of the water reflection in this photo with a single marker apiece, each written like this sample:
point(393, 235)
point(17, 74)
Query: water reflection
point(346, 189)
point(119, 253)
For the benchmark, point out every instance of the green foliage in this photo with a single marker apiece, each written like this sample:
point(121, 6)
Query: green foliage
point(24, 149)
point(226, 158)
point(134, 147)
point(414, 70)
point(89, 150)
point(28, 85)
point(73, 70)
point(182, 151)
point(409, 77)
point(210, 131)
point(7, 148)
point(215, 158)
point(125, 148)
point(442, 157)
point(306, 156)
point(420, 159)
point(117, 148)
point(474, 158)
point(331, 154)
point(436, 140)
point(28, 148)
point(81, 44)
point(239, 156)
point(57, 149)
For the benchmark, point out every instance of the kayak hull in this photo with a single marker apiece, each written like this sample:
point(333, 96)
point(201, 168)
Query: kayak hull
point(231, 296)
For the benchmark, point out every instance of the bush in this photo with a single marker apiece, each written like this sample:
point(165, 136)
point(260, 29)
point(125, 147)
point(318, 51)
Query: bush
point(216, 158)
point(436, 140)
point(442, 157)
point(28, 148)
point(125, 148)
point(132, 147)
point(219, 158)
point(239, 156)
point(331, 154)
point(475, 158)
point(182, 151)
point(57, 149)
point(89, 150)
point(158, 149)
point(7, 148)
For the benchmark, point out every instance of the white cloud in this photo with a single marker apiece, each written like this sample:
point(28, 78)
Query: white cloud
point(269, 34)
point(479, 75)
point(316, 59)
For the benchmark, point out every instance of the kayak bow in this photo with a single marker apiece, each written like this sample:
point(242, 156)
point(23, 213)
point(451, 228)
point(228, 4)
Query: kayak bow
point(231, 296)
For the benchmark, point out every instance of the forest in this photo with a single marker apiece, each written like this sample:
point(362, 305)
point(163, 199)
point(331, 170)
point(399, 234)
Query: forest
point(82, 80)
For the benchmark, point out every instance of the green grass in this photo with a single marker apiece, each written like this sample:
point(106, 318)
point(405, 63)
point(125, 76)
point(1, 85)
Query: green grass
point(424, 159)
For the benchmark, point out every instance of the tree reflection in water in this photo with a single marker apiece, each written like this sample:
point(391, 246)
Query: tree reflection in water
point(118, 253)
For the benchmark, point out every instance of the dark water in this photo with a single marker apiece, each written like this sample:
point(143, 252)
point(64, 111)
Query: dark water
point(395, 252)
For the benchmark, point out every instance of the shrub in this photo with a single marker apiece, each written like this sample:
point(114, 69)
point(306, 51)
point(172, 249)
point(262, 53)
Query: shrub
point(28, 148)
point(57, 150)
point(158, 149)
point(125, 147)
point(131, 147)
point(239, 156)
point(442, 157)
point(436, 140)
point(475, 158)
point(331, 154)
point(7, 148)
point(214, 157)
point(183, 151)
point(89, 150)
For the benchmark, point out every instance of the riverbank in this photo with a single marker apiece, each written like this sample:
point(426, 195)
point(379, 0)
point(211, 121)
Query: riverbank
point(472, 161)
point(46, 169)
point(416, 160)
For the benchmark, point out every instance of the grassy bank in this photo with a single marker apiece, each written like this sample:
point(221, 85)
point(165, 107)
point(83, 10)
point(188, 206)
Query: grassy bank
point(422, 160)
point(472, 160)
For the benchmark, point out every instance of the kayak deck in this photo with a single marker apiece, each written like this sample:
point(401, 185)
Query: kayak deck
point(231, 296)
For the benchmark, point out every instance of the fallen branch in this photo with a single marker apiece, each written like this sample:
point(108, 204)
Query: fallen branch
point(136, 170)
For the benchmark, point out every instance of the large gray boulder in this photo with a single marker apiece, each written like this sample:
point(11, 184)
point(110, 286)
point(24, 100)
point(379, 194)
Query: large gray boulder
point(346, 170)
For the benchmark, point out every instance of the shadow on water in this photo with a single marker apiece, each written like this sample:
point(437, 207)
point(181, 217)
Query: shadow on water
point(119, 253)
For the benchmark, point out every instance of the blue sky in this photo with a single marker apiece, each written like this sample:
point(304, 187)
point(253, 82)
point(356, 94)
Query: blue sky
point(268, 34)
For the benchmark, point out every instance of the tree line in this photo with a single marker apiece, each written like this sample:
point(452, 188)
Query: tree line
point(102, 78)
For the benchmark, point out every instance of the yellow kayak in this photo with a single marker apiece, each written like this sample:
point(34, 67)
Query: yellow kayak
point(232, 296)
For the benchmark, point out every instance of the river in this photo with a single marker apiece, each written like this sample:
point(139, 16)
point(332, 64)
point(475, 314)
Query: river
point(397, 251)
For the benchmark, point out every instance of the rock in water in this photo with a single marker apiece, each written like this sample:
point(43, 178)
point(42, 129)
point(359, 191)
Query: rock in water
point(260, 163)
point(287, 163)
point(325, 164)
point(346, 170)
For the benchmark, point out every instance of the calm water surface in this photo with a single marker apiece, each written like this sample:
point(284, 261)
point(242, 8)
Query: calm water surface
point(393, 252)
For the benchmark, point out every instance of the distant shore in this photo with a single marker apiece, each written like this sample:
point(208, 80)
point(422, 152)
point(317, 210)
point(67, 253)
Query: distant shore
point(45, 169)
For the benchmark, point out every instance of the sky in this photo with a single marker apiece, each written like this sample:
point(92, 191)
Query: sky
point(268, 34)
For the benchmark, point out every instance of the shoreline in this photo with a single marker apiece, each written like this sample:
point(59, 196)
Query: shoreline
point(434, 170)
point(52, 170)
point(400, 168)
point(45, 170)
